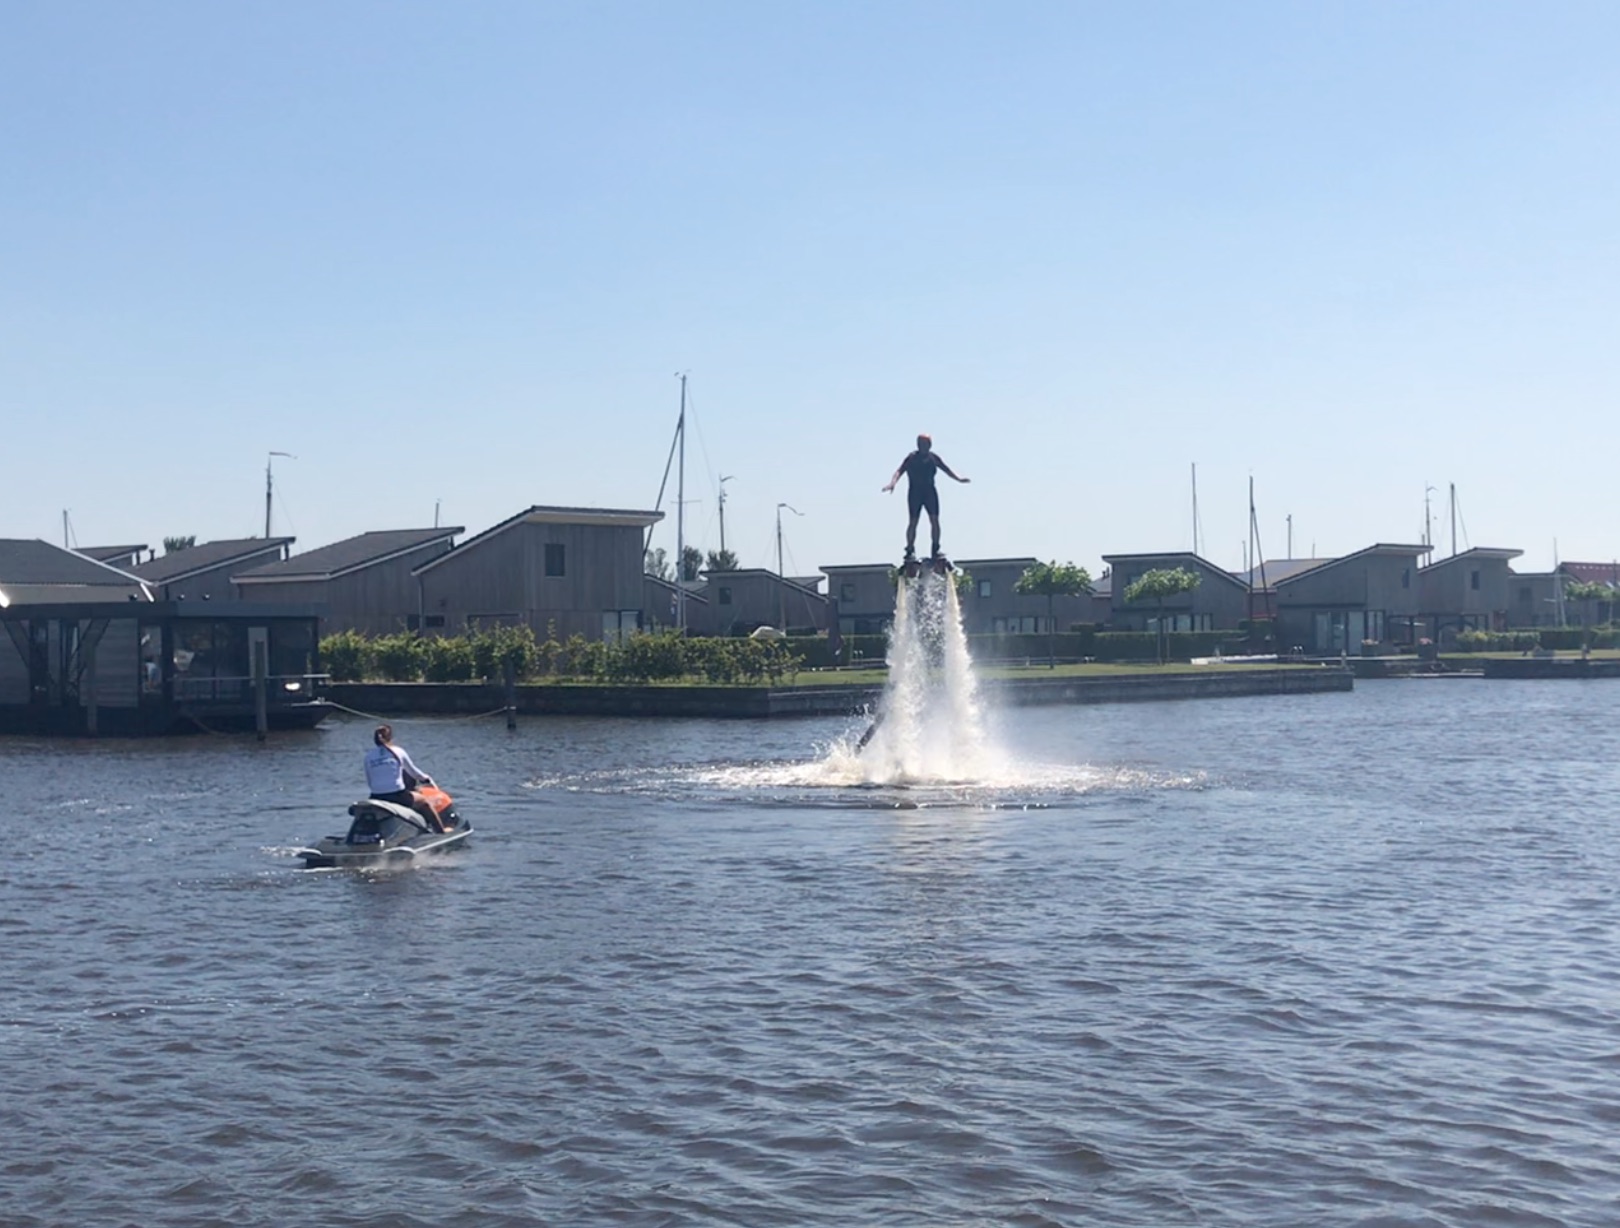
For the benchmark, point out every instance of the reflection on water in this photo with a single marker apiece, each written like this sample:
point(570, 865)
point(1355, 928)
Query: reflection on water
point(1316, 959)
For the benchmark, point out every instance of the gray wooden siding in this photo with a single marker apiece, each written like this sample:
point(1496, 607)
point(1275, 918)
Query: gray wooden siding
point(503, 579)
point(376, 600)
point(1374, 582)
point(13, 672)
point(117, 666)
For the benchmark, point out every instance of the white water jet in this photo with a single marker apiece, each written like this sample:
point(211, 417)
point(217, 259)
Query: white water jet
point(930, 723)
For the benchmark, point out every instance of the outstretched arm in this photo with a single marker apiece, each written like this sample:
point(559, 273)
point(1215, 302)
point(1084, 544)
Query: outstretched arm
point(895, 478)
point(413, 775)
point(946, 469)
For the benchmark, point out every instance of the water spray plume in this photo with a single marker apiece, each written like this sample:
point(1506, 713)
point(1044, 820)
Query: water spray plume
point(930, 719)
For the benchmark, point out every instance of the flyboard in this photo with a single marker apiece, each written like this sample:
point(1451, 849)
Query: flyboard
point(911, 567)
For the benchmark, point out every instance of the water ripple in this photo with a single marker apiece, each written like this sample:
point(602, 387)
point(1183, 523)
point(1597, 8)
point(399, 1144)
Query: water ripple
point(1226, 963)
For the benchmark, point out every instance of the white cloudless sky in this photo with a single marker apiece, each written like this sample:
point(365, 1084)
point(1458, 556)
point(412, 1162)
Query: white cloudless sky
point(452, 256)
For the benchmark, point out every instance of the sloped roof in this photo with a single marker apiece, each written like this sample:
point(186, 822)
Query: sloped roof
point(692, 594)
point(33, 570)
point(853, 567)
point(350, 554)
point(786, 581)
point(1473, 555)
point(1395, 548)
point(1277, 570)
point(540, 513)
point(180, 564)
point(1214, 569)
point(1592, 573)
point(966, 564)
point(111, 554)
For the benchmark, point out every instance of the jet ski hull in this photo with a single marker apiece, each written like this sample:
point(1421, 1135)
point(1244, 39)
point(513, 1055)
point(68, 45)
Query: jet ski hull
point(384, 833)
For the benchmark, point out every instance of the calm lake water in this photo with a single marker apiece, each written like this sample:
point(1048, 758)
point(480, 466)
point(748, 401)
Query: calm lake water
point(1324, 960)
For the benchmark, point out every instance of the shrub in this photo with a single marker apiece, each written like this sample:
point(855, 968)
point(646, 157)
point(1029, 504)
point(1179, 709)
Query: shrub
point(447, 659)
point(1497, 641)
point(643, 657)
point(399, 657)
point(346, 655)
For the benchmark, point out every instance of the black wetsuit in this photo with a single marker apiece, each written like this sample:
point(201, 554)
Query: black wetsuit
point(919, 469)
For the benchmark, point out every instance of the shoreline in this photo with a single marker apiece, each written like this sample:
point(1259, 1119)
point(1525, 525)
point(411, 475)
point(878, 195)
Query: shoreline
point(755, 702)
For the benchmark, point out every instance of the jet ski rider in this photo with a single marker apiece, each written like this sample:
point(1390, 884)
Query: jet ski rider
point(390, 775)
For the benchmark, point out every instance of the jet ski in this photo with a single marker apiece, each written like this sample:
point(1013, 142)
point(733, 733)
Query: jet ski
point(386, 833)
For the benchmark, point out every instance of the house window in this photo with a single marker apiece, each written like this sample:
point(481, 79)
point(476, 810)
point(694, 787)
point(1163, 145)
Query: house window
point(556, 559)
point(1473, 580)
point(725, 595)
point(984, 588)
point(1406, 577)
point(846, 593)
point(433, 620)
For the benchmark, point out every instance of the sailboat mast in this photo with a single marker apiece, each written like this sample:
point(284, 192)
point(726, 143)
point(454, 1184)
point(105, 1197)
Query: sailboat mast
point(1195, 505)
point(680, 517)
point(1248, 555)
point(1453, 518)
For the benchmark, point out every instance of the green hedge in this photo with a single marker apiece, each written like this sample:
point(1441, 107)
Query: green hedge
point(1566, 639)
point(666, 656)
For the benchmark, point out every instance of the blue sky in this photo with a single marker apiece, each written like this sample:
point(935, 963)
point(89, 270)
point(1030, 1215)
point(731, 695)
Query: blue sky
point(455, 254)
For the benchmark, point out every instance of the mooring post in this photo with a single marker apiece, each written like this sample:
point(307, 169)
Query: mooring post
point(261, 682)
point(510, 672)
point(87, 695)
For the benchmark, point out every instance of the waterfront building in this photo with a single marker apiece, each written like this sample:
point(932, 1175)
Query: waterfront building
point(750, 597)
point(992, 605)
point(122, 557)
point(33, 571)
point(363, 583)
point(1219, 603)
point(860, 597)
point(85, 649)
point(1470, 591)
point(1337, 606)
point(659, 609)
point(204, 572)
point(573, 570)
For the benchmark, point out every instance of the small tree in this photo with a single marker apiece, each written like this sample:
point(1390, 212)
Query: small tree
point(655, 563)
point(721, 560)
point(1053, 580)
point(1584, 591)
point(173, 545)
point(1158, 584)
point(691, 563)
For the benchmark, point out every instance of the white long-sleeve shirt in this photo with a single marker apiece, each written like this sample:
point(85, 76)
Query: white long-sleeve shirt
point(386, 768)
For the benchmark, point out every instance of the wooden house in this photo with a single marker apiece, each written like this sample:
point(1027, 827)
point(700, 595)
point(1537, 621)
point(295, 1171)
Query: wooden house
point(204, 572)
point(85, 649)
point(570, 570)
point(364, 583)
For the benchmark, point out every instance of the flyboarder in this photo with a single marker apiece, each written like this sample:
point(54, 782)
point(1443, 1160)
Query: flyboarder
point(919, 469)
